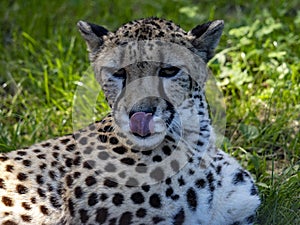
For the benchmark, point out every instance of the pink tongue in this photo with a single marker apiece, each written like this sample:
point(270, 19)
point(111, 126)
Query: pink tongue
point(141, 123)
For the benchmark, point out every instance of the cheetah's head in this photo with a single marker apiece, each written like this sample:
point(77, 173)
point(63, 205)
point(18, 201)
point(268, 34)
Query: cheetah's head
point(150, 71)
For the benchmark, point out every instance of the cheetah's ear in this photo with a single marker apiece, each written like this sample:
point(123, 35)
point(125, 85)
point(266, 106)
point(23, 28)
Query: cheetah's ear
point(206, 37)
point(92, 34)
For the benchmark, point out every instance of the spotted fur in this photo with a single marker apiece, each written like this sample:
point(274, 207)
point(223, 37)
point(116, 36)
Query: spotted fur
point(105, 174)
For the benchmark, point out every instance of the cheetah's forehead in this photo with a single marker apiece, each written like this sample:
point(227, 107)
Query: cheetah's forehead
point(149, 29)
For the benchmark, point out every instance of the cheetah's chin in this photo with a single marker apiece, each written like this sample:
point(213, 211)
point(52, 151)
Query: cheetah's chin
point(147, 142)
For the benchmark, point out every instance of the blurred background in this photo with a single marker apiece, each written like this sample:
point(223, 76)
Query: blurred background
point(256, 67)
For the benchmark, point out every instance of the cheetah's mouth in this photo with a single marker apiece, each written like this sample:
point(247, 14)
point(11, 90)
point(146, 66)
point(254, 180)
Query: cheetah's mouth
point(149, 120)
point(141, 124)
point(146, 131)
point(145, 123)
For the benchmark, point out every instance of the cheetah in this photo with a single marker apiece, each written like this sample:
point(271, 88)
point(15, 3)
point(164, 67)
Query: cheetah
point(153, 159)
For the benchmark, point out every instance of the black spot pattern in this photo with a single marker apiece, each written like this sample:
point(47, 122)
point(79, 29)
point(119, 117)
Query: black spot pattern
point(238, 177)
point(55, 202)
point(71, 147)
point(137, 198)
point(7, 201)
point(89, 164)
point(146, 188)
point(157, 219)
point(169, 192)
point(250, 219)
point(22, 153)
point(9, 222)
point(166, 150)
point(21, 189)
point(126, 218)
point(168, 181)
point(41, 192)
point(103, 197)
point(2, 183)
point(112, 221)
point(141, 212)
point(179, 218)
point(101, 215)
point(113, 141)
point(157, 158)
point(253, 190)
point(21, 177)
point(9, 168)
point(27, 163)
point(44, 210)
point(154, 201)
point(26, 205)
point(78, 192)
point(26, 218)
point(200, 183)
point(191, 199)
point(65, 141)
point(236, 223)
point(128, 161)
point(90, 180)
point(210, 179)
point(148, 152)
point(45, 145)
point(120, 150)
point(103, 138)
point(118, 199)
point(69, 180)
point(109, 182)
point(181, 181)
point(92, 199)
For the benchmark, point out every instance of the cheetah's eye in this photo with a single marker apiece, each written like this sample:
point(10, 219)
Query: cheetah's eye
point(169, 71)
point(121, 73)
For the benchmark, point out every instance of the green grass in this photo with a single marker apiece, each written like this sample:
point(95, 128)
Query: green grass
point(257, 67)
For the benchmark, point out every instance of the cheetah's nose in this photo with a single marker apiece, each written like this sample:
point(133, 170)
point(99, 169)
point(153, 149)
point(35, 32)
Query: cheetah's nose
point(142, 124)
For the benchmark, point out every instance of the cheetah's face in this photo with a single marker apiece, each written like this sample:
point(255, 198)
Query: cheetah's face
point(145, 98)
point(149, 72)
